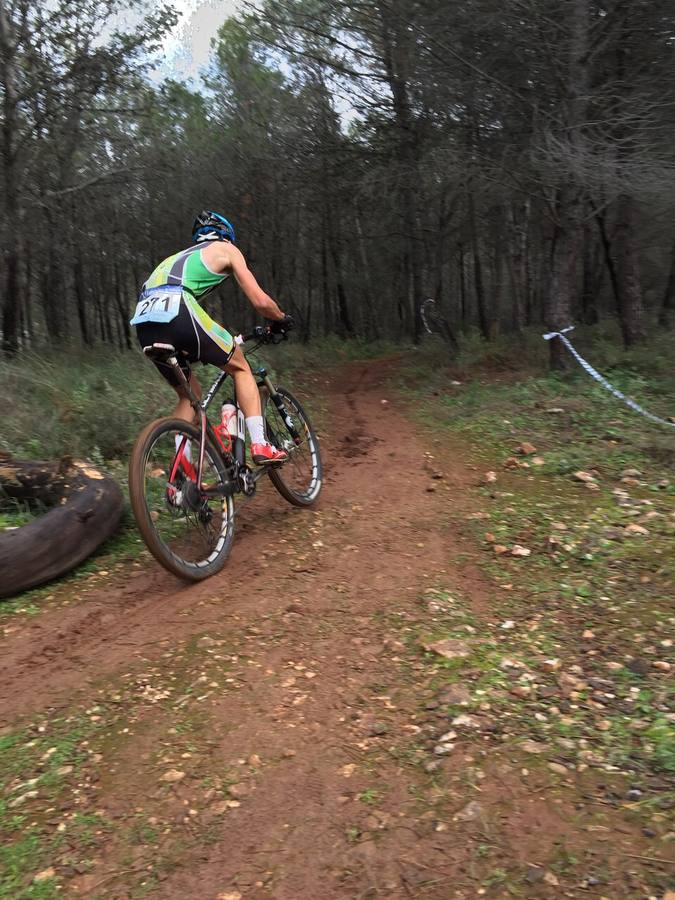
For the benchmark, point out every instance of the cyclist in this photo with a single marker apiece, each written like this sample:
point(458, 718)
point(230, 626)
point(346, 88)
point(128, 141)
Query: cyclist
point(168, 313)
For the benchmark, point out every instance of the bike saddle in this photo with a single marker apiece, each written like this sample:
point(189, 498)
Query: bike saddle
point(159, 352)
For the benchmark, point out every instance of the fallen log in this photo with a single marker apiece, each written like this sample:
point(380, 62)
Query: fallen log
point(85, 510)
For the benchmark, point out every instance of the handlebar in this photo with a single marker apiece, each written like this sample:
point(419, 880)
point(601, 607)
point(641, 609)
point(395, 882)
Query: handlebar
point(262, 333)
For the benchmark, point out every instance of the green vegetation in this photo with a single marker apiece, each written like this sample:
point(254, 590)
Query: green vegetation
point(78, 403)
point(14, 515)
point(584, 575)
point(92, 404)
point(590, 597)
point(370, 797)
point(71, 401)
point(50, 770)
point(504, 394)
point(37, 766)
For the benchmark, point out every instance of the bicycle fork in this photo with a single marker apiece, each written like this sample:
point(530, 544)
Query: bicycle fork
point(266, 381)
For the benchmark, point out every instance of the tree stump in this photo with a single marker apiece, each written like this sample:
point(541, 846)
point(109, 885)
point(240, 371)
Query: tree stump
point(85, 510)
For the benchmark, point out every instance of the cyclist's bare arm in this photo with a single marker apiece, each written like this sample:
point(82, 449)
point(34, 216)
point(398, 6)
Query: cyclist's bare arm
point(225, 257)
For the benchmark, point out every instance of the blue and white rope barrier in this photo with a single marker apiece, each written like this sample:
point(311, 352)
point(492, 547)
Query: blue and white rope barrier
point(601, 379)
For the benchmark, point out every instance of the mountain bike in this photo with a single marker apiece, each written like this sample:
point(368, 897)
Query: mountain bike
point(183, 478)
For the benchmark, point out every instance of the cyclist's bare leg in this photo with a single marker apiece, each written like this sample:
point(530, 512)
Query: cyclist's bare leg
point(183, 408)
point(248, 396)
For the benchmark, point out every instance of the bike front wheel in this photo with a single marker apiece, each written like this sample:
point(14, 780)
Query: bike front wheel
point(188, 527)
point(300, 478)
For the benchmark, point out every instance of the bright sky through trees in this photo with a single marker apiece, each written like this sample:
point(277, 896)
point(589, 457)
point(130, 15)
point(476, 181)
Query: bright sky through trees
point(188, 44)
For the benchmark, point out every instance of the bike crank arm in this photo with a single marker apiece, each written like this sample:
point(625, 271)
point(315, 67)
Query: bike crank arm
point(226, 490)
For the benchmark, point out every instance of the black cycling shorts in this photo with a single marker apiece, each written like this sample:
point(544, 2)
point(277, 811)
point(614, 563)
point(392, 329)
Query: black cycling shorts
point(194, 334)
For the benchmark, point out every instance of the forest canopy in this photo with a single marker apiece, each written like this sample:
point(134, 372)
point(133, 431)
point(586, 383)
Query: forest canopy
point(511, 159)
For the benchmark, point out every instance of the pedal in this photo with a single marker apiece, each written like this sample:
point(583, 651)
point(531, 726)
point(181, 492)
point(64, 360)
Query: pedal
point(247, 480)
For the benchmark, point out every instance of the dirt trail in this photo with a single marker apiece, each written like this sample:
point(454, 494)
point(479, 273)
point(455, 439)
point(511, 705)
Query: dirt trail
point(305, 775)
point(373, 462)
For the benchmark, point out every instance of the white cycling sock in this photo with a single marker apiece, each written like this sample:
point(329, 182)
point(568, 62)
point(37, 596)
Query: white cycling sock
point(187, 451)
point(256, 428)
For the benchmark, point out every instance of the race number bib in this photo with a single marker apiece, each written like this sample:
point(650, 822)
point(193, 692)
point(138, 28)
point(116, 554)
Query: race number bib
point(160, 304)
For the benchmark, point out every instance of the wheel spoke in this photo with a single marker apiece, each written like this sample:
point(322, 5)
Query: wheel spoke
point(188, 524)
point(299, 479)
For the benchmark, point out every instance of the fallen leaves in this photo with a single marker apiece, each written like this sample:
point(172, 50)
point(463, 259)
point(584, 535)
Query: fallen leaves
point(526, 449)
point(449, 648)
point(173, 776)
point(534, 747)
point(239, 791)
point(633, 528)
point(519, 550)
point(50, 872)
point(469, 813)
point(22, 798)
point(551, 665)
point(466, 721)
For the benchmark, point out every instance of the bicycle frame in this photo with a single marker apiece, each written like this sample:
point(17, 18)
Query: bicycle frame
point(238, 456)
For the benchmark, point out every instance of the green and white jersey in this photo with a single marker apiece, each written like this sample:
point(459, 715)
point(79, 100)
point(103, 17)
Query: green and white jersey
point(186, 268)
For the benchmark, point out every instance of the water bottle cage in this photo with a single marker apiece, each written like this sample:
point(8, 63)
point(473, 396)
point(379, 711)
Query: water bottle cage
point(224, 437)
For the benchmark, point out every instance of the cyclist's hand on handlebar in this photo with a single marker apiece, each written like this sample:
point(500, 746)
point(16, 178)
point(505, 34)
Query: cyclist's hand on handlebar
point(271, 333)
point(281, 326)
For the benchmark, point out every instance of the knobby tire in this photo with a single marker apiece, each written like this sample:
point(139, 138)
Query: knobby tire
point(137, 495)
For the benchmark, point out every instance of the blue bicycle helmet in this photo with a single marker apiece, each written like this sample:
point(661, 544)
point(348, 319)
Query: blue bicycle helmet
point(209, 223)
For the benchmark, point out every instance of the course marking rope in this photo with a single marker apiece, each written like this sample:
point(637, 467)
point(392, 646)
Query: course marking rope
point(601, 379)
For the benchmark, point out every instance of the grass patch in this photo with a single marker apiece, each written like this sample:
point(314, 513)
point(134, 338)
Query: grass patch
point(37, 765)
point(586, 573)
point(370, 797)
point(92, 403)
point(51, 770)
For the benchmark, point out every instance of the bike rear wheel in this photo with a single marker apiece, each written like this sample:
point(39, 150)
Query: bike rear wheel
point(298, 480)
point(187, 527)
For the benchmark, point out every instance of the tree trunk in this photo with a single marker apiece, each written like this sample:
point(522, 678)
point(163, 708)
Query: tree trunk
point(370, 312)
point(397, 52)
point(28, 296)
point(325, 284)
point(12, 298)
point(517, 270)
point(589, 309)
point(53, 292)
point(483, 318)
point(81, 299)
point(464, 308)
point(10, 163)
point(564, 271)
point(668, 302)
point(123, 312)
point(86, 509)
point(564, 277)
point(631, 310)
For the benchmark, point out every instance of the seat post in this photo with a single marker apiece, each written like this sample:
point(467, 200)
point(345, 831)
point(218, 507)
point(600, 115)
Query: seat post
point(184, 383)
point(166, 354)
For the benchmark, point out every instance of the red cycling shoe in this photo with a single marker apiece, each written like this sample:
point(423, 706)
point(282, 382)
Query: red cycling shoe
point(264, 454)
